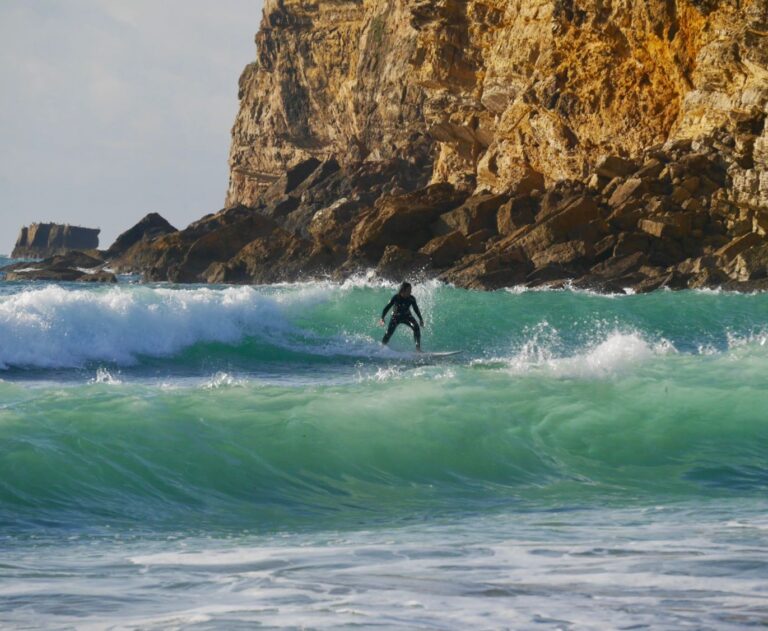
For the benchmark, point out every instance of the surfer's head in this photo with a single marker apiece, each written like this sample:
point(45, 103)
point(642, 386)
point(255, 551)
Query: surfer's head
point(405, 290)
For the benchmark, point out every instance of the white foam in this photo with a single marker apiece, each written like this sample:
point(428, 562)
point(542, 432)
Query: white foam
point(223, 380)
point(106, 377)
point(612, 355)
point(53, 327)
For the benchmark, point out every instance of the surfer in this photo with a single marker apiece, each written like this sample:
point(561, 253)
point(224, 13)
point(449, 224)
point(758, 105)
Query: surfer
point(401, 304)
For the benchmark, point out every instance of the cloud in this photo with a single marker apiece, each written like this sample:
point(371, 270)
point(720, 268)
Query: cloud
point(112, 109)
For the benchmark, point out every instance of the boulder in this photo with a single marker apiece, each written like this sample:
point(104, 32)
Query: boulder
point(750, 264)
point(492, 270)
point(60, 275)
point(629, 243)
point(220, 246)
point(273, 256)
point(565, 254)
point(633, 188)
point(397, 263)
point(614, 166)
point(739, 245)
point(446, 249)
point(566, 224)
point(70, 267)
point(616, 268)
point(667, 280)
point(707, 277)
point(671, 226)
point(101, 276)
point(626, 215)
point(529, 182)
point(517, 212)
point(651, 168)
point(402, 220)
point(478, 241)
point(291, 179)
point(333, 225)
point(149, 227)
point(476, 213)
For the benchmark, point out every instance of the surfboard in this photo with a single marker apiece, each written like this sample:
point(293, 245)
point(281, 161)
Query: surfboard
point(439, 353)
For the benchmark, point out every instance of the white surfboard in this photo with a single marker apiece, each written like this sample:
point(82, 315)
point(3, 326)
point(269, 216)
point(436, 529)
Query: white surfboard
point(438, 354)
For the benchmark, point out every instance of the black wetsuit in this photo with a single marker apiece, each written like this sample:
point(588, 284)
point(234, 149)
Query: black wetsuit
point(401, 314)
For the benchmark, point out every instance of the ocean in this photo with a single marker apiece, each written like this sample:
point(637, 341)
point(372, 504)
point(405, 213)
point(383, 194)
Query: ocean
point(211, 457)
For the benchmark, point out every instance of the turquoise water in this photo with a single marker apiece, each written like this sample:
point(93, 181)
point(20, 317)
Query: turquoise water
point(212, 457)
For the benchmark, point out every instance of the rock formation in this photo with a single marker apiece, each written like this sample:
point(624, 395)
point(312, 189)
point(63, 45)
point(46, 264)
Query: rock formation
point(41, 240)
point(491, 88)
point(72, 266)
point(148, 228)
point(609, 144)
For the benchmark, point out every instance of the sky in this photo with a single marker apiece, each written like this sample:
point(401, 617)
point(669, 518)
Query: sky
point(111, 109)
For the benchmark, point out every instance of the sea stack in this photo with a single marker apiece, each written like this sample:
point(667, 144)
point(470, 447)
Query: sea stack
point(42, 240)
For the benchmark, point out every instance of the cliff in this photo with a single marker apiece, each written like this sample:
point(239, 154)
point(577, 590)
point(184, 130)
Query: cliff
point(42, 240)
point(490, 89)
point(611, 145)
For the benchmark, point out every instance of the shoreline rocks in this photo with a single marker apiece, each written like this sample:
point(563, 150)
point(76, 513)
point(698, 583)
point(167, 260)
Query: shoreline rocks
point(73, 266)
point(667, 218)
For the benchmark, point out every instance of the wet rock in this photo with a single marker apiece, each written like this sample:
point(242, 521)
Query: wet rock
point(73, 266)
point(668, 280)
point(150, 227)
point(616, 268)
point(488, 272)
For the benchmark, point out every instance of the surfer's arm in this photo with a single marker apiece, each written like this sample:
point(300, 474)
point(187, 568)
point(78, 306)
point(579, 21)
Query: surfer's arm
point(387, 308)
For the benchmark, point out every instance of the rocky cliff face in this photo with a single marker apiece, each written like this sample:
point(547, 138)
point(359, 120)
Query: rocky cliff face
point(611, 144)
point(41, 240)
point(488, 90)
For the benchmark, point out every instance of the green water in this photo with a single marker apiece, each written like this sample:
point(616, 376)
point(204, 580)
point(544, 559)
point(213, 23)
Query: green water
point(207, 424)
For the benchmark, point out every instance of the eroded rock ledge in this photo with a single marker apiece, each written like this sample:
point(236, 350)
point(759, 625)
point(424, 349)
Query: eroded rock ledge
point(677, 215)
point(491, 143)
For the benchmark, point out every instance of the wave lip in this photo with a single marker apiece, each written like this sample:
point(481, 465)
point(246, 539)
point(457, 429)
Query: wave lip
point(612, 355)
point(57, 328)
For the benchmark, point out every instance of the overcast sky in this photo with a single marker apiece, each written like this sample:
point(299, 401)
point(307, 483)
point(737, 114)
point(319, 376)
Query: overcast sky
point(110, 109)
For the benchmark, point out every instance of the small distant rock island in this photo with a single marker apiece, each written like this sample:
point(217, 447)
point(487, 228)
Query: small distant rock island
point(43, 240)
point(71, 253)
